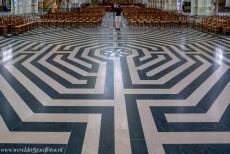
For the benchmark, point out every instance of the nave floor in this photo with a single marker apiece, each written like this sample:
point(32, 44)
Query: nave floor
point(97, 90)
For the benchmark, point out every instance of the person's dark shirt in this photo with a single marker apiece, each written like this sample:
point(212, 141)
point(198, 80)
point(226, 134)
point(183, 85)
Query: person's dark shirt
point(112, 7)
point(118, 11)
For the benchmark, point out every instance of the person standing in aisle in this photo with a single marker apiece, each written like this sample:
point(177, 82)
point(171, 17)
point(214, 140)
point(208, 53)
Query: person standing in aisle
point(113, 9)
point(118, 17)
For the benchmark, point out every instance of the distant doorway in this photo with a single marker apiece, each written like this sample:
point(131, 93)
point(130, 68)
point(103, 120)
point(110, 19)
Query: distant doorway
point(5, 5)
point(224, 6)
point(186, 7)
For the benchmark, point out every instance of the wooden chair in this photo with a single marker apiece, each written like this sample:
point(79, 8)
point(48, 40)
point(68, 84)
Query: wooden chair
point(3, 27)
point(214, 27)
point(226, 27)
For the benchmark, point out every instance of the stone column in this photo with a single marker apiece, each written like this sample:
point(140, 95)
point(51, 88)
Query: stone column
point(27, 6)
point(205, 7)
point(157, 4)
point(216, 7)
point(180, 5)
point(75, 3)
point(194, 7)
point(18, 7)
point(172, 5)
point(12, 6)
point(152, 3)
point(227, 3)
point(34, 7)
point(21, 6)
point(145, 2)
point(148, 3)
point(166, 5)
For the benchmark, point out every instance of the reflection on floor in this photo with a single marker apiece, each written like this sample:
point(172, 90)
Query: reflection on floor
point(96, 90)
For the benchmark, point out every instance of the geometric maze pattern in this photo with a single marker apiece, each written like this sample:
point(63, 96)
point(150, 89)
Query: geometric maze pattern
point(170, 95)
point(58, 94)
point(180, 103)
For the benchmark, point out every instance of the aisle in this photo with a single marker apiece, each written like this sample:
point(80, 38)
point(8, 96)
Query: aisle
point(108, 21)
point(97, 90)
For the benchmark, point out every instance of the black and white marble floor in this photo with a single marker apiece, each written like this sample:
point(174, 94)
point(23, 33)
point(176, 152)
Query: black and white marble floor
point(97, 90)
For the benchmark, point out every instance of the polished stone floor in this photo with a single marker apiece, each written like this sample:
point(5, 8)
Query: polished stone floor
point(97, 90)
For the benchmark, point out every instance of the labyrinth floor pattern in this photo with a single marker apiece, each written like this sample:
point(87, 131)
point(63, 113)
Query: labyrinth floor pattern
point(96, 90)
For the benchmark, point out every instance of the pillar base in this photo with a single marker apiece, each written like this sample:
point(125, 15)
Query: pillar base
point(172, 7)
point(205, 10)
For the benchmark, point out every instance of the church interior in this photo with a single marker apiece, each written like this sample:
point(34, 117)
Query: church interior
point(115, 76)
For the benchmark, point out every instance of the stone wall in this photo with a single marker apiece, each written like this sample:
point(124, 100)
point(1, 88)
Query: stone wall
point(21, 6)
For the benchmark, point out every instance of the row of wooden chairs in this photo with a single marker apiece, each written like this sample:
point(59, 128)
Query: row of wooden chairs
point(3, 25)
point(18, 24)
point(86, 17)
point(23, 23)
point(72, 19)
point(152, 17)
point(215, 24)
